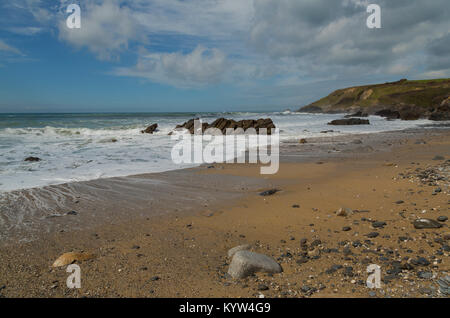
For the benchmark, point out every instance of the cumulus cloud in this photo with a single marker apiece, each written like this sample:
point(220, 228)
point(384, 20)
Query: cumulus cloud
point(200, 67)
point(107, 29)
point(333, 34)
point(286, 42)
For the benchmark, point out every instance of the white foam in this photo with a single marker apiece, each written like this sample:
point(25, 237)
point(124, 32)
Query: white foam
point(86, 153)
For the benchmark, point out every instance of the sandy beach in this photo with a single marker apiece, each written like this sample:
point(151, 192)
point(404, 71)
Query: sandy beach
point(167, 234)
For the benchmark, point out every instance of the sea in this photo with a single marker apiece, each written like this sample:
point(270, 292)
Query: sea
point(81, 147)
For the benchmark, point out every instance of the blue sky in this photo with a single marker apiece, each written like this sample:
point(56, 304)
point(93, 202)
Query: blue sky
point(210, 55)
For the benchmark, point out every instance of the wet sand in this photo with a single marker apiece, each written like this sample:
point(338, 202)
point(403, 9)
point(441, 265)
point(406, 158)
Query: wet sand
point(167, 235)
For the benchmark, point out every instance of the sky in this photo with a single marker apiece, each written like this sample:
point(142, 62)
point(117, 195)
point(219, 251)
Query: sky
point(210, 55)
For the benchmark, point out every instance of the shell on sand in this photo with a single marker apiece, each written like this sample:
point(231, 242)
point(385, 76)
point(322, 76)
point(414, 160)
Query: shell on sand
point(69, 258)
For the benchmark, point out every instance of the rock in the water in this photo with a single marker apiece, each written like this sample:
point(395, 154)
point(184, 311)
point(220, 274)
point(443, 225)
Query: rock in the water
point(234, 250)
point(349, 121)
point(389, 114)
point(426, 224)
point(245, 263)
point(223, 124)
point(150, 129)
point(32, 159)
point(69, 258)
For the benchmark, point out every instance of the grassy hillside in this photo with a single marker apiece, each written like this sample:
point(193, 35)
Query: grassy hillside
point(421, 94)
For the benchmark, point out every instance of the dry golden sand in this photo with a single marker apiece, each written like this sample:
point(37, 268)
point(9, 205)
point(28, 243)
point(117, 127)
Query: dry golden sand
point(185, 256)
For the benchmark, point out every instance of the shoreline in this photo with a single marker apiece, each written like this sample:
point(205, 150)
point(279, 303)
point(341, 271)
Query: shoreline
point(182, 240)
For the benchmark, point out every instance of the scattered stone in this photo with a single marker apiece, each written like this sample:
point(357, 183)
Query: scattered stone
point(420, 261)
point(425, 275)
point(399, 202)
point(438, 157)
point(269, 192)
point(378, 224)
point(346, 228)
point(372, 234)
point(426, 224)
point(244, 247)
point(442, 218)
point(333, 269)
point(72, 213)
point(154, 278)
point(262, 287)
point(246, 263)
point(296, 206)
point(444, 285)
point(344, 212)
point(302, 260)
point(69, 258)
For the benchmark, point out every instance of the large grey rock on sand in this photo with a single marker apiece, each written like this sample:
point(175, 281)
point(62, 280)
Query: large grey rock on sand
point(245, 247)
point(246, 263)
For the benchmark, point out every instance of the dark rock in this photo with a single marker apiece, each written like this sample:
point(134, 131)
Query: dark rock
point(442, 112)
point(72, 213)
point(389, 114)
point(426, 224)
point(399, 202)
point(333, 269)
point(33, 159)
point(425, 275)
point(154, 278)
point(223, 124)
point(442, 218)
point(372, 234)
point(262, 287)
point(269, 192)
point(438, 157)
point(346, 228)
point(349, 121)
point(378, 224)
point(302, 260)
point(420, 261)
point(296, 206)
point(150, 129)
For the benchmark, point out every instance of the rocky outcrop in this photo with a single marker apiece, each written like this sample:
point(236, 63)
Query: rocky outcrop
point(441, 113)
point(349, 121)
point(404, 99)
point(150, 129)
point(223, 124)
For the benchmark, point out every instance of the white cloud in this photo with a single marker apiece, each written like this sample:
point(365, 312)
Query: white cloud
point(200, 67)
point(9, 49)
point(106, 30)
